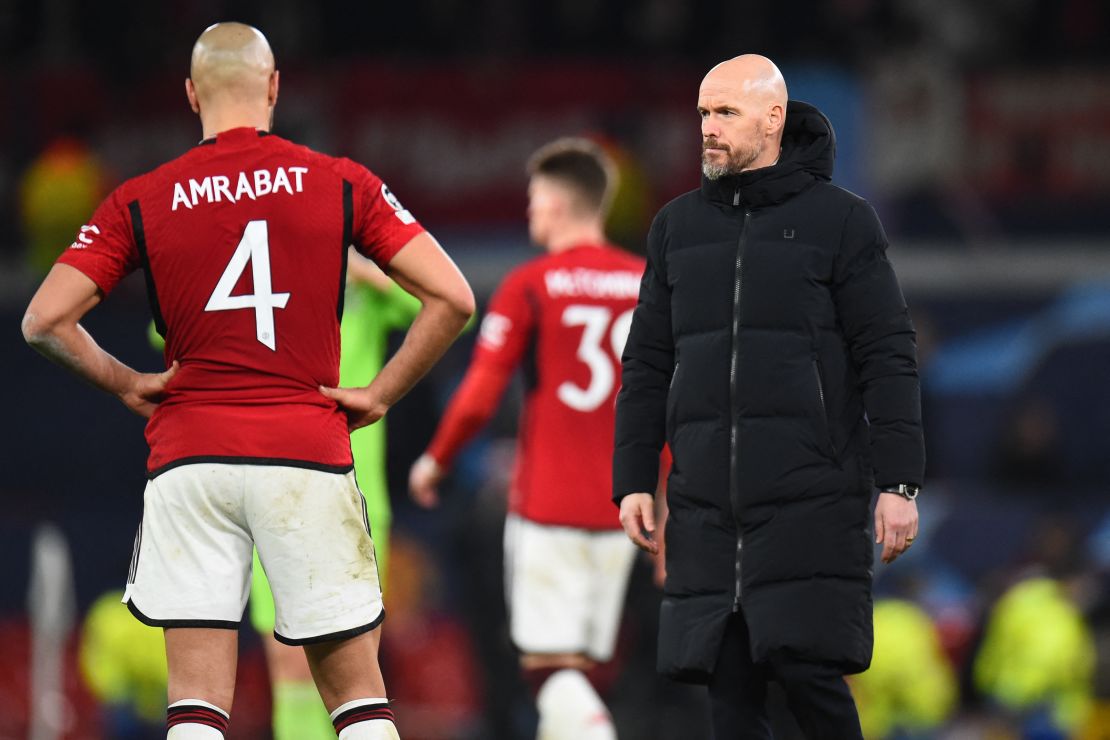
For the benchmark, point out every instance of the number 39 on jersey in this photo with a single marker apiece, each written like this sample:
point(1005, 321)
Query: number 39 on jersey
point(598, 329)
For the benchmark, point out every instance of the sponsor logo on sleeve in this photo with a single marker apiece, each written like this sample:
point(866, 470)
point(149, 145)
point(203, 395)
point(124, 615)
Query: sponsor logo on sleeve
point(402, 213)
point(495, 328)
point(83, 239)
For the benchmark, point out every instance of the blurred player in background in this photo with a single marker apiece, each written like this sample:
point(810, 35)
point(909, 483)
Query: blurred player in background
point(123, 664)
point(249, 440)
point(563, 318)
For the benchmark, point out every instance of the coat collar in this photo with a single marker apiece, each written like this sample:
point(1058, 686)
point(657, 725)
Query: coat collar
point(808, 152)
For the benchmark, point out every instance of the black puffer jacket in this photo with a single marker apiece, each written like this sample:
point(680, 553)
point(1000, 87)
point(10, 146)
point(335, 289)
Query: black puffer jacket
point(773, 345)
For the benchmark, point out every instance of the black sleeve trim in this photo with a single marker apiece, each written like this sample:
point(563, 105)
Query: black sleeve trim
point(230, 460)
point(348, 237)
point(344, 635)
point(140, 244)
point(216, 624)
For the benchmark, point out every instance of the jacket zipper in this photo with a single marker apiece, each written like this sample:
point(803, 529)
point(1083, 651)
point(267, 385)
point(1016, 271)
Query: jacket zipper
point(824, 409)
point(820, 386)
point(734, 493)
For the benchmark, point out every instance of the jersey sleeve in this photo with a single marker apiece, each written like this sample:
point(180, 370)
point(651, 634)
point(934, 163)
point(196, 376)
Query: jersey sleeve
point(104, 248)
point(503, 338)
point(510, 321)
point(381, 225)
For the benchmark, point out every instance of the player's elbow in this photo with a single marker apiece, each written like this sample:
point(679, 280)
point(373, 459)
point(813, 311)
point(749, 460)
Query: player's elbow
point(37, 329)
point(460, 302)
point(465, 303)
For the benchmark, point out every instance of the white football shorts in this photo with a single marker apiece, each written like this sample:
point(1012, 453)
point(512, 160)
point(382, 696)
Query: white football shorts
point(565, 587)
point(191, 566)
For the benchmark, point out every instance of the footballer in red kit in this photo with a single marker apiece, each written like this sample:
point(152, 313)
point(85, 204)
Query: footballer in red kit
point(243, 244)
point(259, 225)
point(563, 319)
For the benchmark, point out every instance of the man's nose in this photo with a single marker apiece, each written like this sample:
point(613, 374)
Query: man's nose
point(709, 127)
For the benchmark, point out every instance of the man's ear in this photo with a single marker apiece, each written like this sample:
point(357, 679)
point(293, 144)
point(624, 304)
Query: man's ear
point(191, 95)
point(776, 117)
point(272, 96)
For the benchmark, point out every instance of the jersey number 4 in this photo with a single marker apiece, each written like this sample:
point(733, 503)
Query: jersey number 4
point(254, 247)
point(598, 325)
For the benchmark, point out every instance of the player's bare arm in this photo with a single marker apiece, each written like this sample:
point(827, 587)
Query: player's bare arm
point(423, 269)
point(470, 409)
point(51, 326)
point(362, 270)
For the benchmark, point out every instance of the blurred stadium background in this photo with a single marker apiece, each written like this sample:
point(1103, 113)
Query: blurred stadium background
point(980, 130)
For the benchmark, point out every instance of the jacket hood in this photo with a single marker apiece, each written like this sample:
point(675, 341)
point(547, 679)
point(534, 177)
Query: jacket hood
point(808, 152)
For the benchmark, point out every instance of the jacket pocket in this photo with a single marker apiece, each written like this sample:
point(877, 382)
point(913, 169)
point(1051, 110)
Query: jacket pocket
point(824, 429)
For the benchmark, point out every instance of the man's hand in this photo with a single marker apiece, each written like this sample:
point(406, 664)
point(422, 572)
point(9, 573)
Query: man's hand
point(147, 390)
point(895, 525)
point(638, 520)
point(424, 478)
point(362, 405)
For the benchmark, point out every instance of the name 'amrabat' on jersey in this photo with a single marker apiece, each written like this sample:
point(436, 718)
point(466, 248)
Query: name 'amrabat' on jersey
point(243, 241)
point(564, 318)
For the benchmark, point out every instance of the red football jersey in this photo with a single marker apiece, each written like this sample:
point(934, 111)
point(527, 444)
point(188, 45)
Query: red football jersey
point(565, 318)
point(243, 241)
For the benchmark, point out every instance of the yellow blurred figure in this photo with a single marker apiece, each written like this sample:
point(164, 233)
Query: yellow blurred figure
point(910, 685)
point(58, 191)
point(123, 661)
point(1038, 653)
point(630, 212)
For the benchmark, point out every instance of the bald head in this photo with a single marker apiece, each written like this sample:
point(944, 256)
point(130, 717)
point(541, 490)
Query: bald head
point(232, 60)
point(742, 103)
point(232, 81)
point(750, 76)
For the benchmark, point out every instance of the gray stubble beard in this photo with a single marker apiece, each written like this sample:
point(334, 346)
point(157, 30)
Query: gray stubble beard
point(730, 167)
point(715, 171)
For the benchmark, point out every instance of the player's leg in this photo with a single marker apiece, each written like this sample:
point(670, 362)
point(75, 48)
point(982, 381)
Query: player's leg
point(190, 575)
point(201, 683)
point(352, 686)
point(606, 575)
point(298, 713)
point(313, 539)
point(738, 688)
point(569, 706)
point(548, 589)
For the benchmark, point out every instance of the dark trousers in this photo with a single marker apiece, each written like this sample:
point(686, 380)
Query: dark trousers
point(816, 694)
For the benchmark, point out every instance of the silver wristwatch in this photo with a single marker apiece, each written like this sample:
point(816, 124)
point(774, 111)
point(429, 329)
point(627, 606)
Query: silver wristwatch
point(907, 491)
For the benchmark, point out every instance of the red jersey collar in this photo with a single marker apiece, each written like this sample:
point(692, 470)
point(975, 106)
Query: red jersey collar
point(585, 245)
point(234, 135)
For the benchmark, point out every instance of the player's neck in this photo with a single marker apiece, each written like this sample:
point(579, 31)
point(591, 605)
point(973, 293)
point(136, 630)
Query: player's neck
point(575, 235)
point(224, 119)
